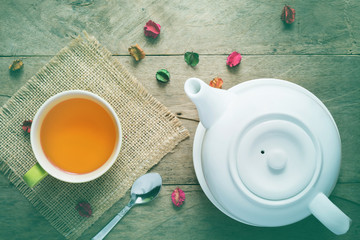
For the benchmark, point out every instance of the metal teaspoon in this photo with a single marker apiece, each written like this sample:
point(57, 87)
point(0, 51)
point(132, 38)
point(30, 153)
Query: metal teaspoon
point(144, 190)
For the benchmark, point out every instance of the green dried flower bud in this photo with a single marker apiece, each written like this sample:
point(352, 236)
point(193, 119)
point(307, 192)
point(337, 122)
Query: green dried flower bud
point(163, 76)
point(191, 58)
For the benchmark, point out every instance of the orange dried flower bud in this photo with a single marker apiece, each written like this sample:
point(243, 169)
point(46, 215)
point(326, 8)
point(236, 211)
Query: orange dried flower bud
point(216, 82)
point(16, 65)
point(136, 52)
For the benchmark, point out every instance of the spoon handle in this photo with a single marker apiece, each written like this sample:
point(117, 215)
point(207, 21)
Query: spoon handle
point(113, 222)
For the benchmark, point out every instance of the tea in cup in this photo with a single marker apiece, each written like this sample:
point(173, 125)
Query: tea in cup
point(75, 136)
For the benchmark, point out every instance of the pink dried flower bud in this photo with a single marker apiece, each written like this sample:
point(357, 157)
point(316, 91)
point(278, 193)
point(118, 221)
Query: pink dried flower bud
point(178, 197)
point(152, 29)
point(233, 59)
point(84, 209)
point(26, 126)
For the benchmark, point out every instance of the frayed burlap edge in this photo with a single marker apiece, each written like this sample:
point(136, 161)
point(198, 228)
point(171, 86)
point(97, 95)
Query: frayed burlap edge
point(7, 110)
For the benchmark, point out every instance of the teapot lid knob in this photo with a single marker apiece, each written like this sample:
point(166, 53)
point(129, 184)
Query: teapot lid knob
point(277, 160)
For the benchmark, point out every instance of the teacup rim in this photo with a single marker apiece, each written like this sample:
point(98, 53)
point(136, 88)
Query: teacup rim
point(37, 149)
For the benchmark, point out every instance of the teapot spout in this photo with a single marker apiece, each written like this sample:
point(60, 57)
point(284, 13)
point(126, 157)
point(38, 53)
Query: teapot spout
point(210, 102)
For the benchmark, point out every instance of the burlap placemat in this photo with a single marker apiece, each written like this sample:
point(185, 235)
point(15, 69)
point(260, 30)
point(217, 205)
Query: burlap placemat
point(150, 131)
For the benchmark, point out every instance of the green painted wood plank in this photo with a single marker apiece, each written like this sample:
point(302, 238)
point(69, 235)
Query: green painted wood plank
point(19, 219)
point(199, 219)
point(334, 79)
point(10, 81)
point(211, 27)
point(348, 191)
point(196, 219)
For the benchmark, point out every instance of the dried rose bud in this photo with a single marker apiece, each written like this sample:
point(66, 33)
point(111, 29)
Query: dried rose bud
point(16, 65)
point(178, 197)
point(136, 52)
point(26, 126)
point(152, 29)
point(288, 14)
point(84, 209)
point(233, 59)
point(216, 82)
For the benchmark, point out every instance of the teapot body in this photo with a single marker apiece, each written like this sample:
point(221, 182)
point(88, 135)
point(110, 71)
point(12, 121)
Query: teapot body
point(270, 152)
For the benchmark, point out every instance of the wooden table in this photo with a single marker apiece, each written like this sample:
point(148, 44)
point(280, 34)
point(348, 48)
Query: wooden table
point(319, 51)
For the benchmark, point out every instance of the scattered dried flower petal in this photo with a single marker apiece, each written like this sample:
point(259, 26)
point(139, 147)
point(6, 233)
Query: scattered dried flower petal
point(216, 82)
point(26, 126)
point(163, 75)
point(84, 209)
point(16, 65)
point(178, 197)
point(152, 29)
point(288, 14)
point(136, 52)
point(233, 59)
point(191, 58)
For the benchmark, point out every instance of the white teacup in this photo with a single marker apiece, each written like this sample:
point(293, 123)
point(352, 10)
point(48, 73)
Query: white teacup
point(44, 138)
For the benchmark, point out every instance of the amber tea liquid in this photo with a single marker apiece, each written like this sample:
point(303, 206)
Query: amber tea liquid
point(78, 135)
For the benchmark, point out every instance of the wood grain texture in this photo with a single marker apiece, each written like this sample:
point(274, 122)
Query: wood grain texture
point(320, 52)
point(199, 219)
point(196, 219)
point(208, 27)
point(333, 79)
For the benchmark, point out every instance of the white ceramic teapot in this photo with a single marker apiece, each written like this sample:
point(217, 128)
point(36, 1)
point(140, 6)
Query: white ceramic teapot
point(267, 153)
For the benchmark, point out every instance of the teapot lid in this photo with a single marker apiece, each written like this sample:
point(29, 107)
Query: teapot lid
point(276, 157)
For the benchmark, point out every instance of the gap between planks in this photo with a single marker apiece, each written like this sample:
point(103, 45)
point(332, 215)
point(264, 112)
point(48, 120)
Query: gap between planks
point(202, 54)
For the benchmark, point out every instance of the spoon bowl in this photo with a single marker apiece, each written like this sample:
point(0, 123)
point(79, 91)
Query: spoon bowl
point(144, 190)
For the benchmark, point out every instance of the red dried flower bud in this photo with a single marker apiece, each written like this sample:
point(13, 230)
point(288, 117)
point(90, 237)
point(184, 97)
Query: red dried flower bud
point(288, 14)
point(26, 126)
point(84, 209)
point(152, 29)
point(178, 197)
